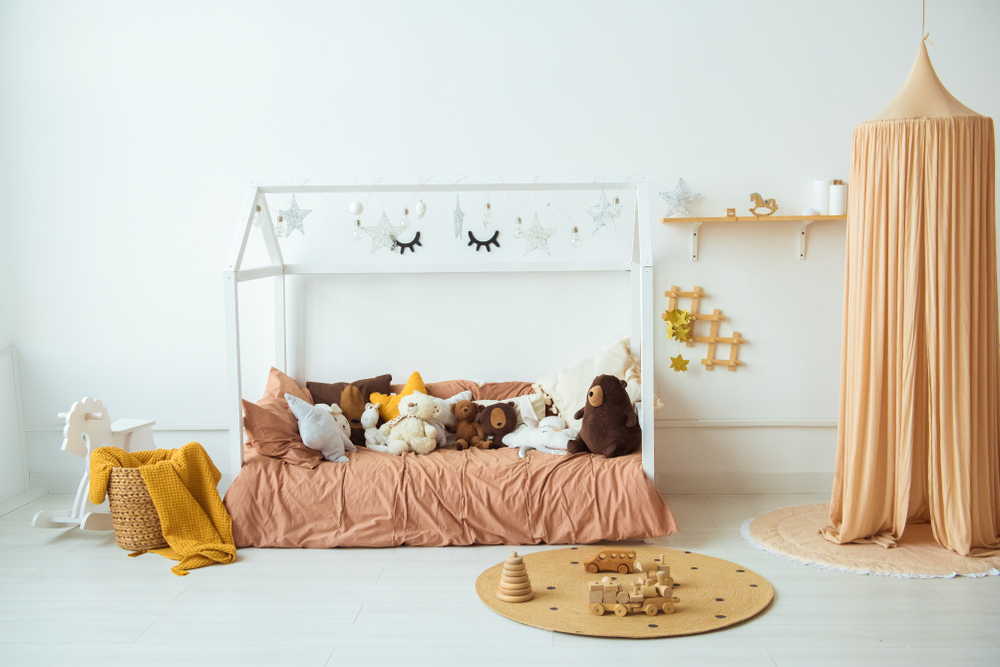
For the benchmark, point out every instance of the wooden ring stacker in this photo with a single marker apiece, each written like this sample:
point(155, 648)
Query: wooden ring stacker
point(515, 598)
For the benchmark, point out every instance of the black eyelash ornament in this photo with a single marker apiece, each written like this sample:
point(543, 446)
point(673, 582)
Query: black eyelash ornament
point(403, 247)
point(485, 244)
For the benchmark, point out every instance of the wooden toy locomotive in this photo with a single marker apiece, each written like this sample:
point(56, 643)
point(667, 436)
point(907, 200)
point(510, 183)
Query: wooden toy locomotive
point(651, 593)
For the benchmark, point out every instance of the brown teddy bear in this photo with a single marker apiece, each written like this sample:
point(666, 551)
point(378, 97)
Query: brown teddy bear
point(610, 426)
point(497, 420)
point(467, 432)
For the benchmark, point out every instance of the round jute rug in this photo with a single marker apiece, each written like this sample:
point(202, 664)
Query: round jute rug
point(714, 593)
point(793, 532)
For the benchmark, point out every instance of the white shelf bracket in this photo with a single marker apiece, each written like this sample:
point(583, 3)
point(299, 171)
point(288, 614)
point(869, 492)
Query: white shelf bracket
point(802, 238)
point(694, 241)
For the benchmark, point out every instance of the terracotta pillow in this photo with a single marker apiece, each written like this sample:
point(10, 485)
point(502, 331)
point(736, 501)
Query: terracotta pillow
point(330, 393)
point(279, 384)
point(488, 391)
point(444, 390)
point(498, 391)
point(275, 434)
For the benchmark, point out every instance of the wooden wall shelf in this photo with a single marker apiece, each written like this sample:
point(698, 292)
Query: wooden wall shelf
point(803, 220)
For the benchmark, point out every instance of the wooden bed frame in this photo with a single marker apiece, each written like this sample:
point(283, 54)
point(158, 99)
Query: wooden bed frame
point(639, 265)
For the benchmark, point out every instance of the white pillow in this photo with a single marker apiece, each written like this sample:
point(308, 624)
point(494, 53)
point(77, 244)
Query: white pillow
point(568, 388)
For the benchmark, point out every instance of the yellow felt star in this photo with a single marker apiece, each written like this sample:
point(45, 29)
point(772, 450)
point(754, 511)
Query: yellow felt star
point(389, 409)
point(679, 364)
point(682, 333)
point(677, 317)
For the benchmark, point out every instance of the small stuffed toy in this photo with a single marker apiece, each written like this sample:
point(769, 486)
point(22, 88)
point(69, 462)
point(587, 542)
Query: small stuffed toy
point(369, 420)
point(549, 435)
point(467, 432)
point(497, 420)
point(610, 426)
point(323, 428)
point(410, 431)
point(353, 406)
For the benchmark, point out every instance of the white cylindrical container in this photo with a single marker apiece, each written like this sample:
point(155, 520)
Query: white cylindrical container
point(838, 199)
point(821, 195)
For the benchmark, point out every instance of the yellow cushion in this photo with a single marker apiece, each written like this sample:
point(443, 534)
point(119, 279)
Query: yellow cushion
point(390, 403)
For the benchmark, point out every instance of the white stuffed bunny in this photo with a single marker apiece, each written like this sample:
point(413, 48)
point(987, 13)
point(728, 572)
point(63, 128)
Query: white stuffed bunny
point(369, 420)
point(549, 435)
point(323, 428)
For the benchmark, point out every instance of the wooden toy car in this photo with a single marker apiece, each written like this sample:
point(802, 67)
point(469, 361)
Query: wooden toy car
point(652, 593)
point(611, 560)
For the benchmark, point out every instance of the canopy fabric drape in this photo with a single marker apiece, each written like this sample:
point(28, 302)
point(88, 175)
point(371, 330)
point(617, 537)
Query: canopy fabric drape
point(918, 435)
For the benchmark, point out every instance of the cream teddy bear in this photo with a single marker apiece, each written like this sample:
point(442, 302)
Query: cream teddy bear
point(410, 431)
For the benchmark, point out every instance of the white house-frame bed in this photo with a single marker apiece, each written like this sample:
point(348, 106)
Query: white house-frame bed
point(639, 264)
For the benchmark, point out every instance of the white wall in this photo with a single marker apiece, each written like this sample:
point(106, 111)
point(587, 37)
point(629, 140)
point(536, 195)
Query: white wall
point(130, 131)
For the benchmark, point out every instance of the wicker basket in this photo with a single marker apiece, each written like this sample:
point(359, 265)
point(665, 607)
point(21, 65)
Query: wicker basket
point(137, 525)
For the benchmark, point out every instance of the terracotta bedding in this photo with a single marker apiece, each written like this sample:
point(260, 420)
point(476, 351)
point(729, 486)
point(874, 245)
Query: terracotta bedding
point(445, 498)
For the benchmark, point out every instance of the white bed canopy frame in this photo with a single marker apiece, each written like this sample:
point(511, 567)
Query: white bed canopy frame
point(639, 264)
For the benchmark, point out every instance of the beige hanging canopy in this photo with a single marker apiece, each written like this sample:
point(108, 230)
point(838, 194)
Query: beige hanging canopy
point(923, 95)
point(919, 429)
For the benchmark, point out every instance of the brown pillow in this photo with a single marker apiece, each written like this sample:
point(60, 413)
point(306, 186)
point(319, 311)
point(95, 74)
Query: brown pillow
point(275, 434)
point(498, 391)
point(330, 393)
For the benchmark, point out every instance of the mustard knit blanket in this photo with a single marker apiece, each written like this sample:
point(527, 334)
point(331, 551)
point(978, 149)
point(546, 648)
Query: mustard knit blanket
point(183, 485)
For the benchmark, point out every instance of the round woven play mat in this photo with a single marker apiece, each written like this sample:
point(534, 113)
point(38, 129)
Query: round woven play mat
point(713, 593)
point(793, 532)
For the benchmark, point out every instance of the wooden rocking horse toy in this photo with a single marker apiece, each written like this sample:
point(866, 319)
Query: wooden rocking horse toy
point(88, 427)
point(759, 202)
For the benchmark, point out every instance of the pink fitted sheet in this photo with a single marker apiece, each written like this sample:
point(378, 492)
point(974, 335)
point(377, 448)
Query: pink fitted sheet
point(445, 498)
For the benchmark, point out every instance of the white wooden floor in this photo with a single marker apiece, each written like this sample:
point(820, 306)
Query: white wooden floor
point(74, 598)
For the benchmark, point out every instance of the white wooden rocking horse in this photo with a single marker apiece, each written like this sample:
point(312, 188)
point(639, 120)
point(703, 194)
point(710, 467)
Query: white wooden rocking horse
point(88, 427)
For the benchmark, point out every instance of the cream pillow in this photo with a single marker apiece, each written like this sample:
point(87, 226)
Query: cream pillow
point(568, 388)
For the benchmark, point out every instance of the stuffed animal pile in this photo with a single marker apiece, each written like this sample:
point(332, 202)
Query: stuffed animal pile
point(610, 425)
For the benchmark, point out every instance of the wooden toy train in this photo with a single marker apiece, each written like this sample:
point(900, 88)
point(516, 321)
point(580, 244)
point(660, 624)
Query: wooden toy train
point(651, 593)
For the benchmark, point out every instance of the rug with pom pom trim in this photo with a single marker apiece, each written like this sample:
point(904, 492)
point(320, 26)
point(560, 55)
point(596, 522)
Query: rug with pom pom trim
point(793, 533)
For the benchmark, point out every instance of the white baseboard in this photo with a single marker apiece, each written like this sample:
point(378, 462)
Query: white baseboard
point(55, 482)
point(684, 483)
point(20, 500)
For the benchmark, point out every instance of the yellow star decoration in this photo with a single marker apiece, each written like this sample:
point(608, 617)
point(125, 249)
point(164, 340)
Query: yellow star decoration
point(678, 324)
point(679, 364)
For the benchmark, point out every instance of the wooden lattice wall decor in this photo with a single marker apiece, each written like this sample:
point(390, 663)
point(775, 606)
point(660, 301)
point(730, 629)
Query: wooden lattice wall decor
point(713, 338)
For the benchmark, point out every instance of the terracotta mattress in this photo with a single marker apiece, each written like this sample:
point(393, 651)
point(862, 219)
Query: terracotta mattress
point(445, 498)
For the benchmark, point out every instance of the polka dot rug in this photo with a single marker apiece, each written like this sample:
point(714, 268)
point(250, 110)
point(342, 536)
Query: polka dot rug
point(713, 593)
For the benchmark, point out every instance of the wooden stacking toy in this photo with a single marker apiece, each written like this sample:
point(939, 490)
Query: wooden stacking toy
point(514, 583)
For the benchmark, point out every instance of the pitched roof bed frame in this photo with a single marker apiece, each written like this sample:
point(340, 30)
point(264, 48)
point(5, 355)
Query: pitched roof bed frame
point(640, 265)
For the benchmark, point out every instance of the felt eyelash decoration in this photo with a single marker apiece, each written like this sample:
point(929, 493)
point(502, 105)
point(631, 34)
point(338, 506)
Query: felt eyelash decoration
point(404, 246)
point(485, 244)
